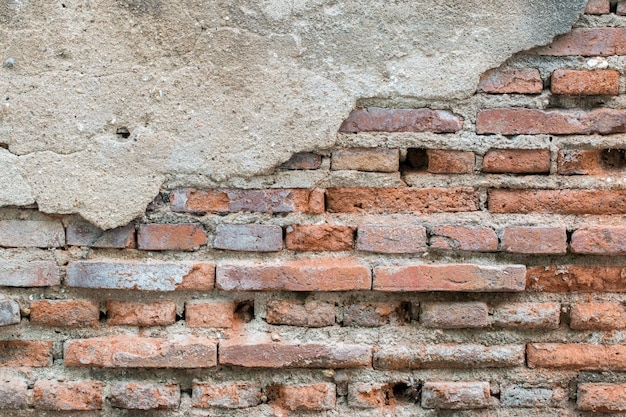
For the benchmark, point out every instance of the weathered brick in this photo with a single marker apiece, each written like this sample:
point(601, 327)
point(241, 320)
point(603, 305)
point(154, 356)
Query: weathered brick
point(31, 353)
point(65, 313)
point(567, 201)
point(287, 355)
point(303, 160)
point(453, 356)
point(144, 396)
point(441, 161)
point(81, 233)
point(141, 352)
point(601, 397)
point(517, 161)
point(464, 238)
point(313, 397)
point(399, 238)
point(366, 395)
point(226, 395)
point(375, 314)
point(13, 392)
point(170, 237)
point(603, 41)
point(366, 159)
point(591, 161)
point(248, 237)
point(374, 119)
point(585, 82)
point(323, 237)
point(511, 81)
point(551, 122)
point(598, 7)
point(307, 275)
point(131, 275)
point(453, 277)
point(534, 240)
point(220, 314)
point(29, 273)
point(68, 396)
point(300, 313)
point(141, 313)
point(401, 200)
point(31, 233)
point(521, 396)
point(9, 312)
point(599, 241)
point(297, 200)
point(527, 315)
point(580, 278)
point(580, 356)
point(454, 315)
point(621, 8)
point(456, 395)
point(598, 316)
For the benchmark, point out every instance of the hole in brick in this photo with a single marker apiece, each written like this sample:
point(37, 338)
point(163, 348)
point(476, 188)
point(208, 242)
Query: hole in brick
point(103, 315)
point(404, 392)
point(416, 160)
point(613, 7)
point(569, 233)
point(4, 146)
point(613, 159)
point(123, 132)
point(272, 392)
point(404, 313)
point(244, 311)
point(180, 317)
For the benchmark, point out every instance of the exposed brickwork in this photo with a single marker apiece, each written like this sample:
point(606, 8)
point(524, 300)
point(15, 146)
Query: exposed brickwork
point(65, 313)
point(558, 201)
point(511, 80)
point(81, 233)
point(464, 238)
point(456, 395)
point(31, 353)
point(131, 313)
point(585, 83)
point(401, 120)
point(450, 162)
point(517, 161)
point(68, 396)
point(210, 314)
point(577, 356)
point(366, 159)
point(602, 398)
point(603, 41)
point(389, 238)
point(324, 237)
point(227, 395)
point(537, 240)
point(305, 397)
point(600, 240)
point(170, 237)
point(249, 237)
point(142, 396)
point(299, 313)
point(454, 315)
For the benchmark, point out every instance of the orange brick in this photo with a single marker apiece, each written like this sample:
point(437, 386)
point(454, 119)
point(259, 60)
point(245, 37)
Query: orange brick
point(65, 313)
point(227, 395)
point(601, 397)
point(603, 41)
point(599, 241)
point(366, 159)
point(391, 238)
point(441, 161)
point(170, 237)
point(585, 82)
point(580, 278)
point(315, 397)
point(132, 313)
point(581, 356)
point(300, 313)
point(598, 316)
point(365, 395)
point(464, 238)
point(325, 237)
point(511, 80)
point(376, 119)
point(219, 314)
point(534, 240)
point(567, 201)
point(68, 396)
point(25, 353)
point(579, 162)
point(517, 161)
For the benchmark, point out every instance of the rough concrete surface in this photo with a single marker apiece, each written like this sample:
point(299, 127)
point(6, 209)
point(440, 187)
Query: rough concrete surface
point(101, 100)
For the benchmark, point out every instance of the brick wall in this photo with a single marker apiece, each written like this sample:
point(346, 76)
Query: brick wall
point(466, 255)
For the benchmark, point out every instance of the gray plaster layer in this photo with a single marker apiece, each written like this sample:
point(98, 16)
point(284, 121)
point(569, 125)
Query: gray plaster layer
point(221, 88)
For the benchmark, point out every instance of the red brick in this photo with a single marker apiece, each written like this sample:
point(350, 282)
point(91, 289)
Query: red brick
point(81, 233)
point(454, 315)
point(375, 119)
point(366, 395)
point(170, 237)
point(315, 397)
point(300, 313)
point(580, 278)
point(375, 314)
point(219, 314)
point(598, 7)
point(307, 275)
point(441, 161)
point(604, 41)
point(601, 397)
point(13, 392)
point(227, 395)
point(9, 312)
point(527, 315)
point(456, 395)
point(65, 313)
point(141, 313)
point(302, 160)
point(453, 277)
point(366, 159)
point(581, 356)
point(452, 356)
point(286, 355)
point(523, 396)
point(249, 237)
point(598, 316)
point(68, 396)
point(31, 233)
point(554, 122)
point(144, 396)
point(132, 275)
point(534, 240)
point(585, 82)
point(141, 352)
point(579, 162)
point(399, 238)
point(297, 200)
point(511, 80)
point(599, 241)
point(31, 353)
point(621, 8)
point(324, 237)
point(567, 201)
point(464, 238)
point(24, 273)
point(401, 200)
point(517, 161)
